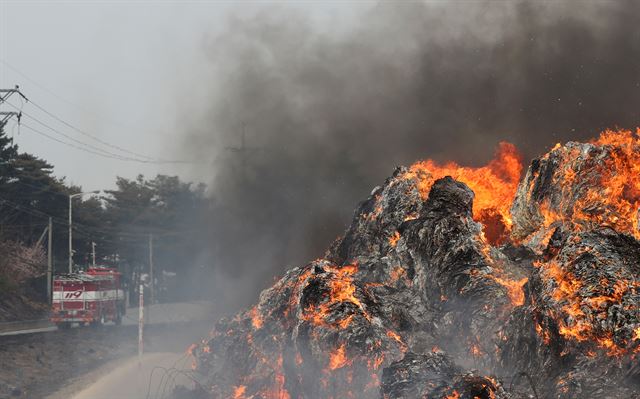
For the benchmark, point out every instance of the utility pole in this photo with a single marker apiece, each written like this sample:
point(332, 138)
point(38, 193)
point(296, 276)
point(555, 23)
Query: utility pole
point(47, 230)
point(152, 286)
point(6, 115)
point(71, 197)
point(140, 324)
point(6, 93)
point(93, 253)
point(49, 260)
point(70, 237)
point(243, 151)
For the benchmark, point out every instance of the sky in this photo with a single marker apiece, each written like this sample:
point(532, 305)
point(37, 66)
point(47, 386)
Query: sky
point(119, 71)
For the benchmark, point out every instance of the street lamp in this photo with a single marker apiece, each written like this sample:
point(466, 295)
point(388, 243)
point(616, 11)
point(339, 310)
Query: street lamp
point(71, 197)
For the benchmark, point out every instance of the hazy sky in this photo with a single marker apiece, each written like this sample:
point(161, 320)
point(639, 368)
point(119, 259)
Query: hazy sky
point(121, 71)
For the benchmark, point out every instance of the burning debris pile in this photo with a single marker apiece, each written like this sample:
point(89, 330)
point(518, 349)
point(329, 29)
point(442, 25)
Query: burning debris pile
point(433, 375)
point(441, 288)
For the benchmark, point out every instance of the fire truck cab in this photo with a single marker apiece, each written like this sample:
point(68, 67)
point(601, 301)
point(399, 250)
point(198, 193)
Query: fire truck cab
point(93, 297)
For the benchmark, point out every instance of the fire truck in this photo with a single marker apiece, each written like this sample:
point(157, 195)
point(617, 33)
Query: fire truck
point(93, 297)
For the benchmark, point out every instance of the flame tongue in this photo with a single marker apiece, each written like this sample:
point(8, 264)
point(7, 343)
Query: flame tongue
point(494, 186)
point(338, 359)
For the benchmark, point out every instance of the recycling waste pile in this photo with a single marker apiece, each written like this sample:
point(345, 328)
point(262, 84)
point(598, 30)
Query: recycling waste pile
point(457, 282)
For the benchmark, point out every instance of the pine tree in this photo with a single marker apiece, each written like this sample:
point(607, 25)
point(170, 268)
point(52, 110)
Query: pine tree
point(8, 153)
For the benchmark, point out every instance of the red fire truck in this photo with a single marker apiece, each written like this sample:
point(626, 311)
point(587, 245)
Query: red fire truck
point(93, 297)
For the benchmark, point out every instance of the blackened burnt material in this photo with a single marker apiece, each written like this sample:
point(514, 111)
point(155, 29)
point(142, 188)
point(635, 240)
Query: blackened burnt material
point(434, 375)
point(408, 275)
point(577, 331)
point(413, 302)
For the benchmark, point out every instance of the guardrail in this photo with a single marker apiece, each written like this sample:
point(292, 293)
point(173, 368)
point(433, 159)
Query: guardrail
point(8, 326)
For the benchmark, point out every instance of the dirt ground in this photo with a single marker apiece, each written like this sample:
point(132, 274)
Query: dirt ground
point(15, 306)
point(36, 365)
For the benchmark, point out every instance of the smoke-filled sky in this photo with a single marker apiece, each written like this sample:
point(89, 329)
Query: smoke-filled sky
point(332, 96)
point(328, 115)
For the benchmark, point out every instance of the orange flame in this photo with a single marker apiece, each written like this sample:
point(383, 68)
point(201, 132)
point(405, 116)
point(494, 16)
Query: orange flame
point(342, 290)
point(238, 392)
point(494, 186)
point(279, 391)
point(514, 288)
point(454, 395)
point(338, 358)
point(544, 334)
point(579, 325)
point(375, 363)
point(613, 200)
point(396, 274)
point(475, 351)
point(393, 240)
point(394, 336)
point(256, 318)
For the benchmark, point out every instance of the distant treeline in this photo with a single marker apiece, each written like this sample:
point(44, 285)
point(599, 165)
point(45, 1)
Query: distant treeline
point(120, 222)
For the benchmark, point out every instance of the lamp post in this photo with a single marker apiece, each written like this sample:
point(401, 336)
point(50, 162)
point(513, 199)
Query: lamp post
point(71, 197)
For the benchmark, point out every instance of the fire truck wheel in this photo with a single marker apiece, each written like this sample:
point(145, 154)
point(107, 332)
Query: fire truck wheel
point(99, 322)
point(63, 326)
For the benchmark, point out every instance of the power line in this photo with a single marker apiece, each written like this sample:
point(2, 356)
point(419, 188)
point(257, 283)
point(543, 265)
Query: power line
point(147, 159)
point(4, 115)
point(82, 230)
point(119, 206)
point(41, 133)
point(84, 133)
point(48, 190)
point(31, 211)
point(98, 230)
point(93, 149)
point(90, 146)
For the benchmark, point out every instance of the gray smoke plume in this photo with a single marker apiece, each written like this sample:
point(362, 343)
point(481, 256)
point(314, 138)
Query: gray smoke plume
point(329, 115)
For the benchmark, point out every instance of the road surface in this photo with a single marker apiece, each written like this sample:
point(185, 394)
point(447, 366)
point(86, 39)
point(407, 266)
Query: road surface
point(159, 313)
point(154, 378)
point(37, 365)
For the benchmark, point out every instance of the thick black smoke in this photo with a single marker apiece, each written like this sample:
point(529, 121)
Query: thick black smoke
point(328, 115)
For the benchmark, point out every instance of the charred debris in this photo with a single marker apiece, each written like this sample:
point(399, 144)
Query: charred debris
point(456, 282)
